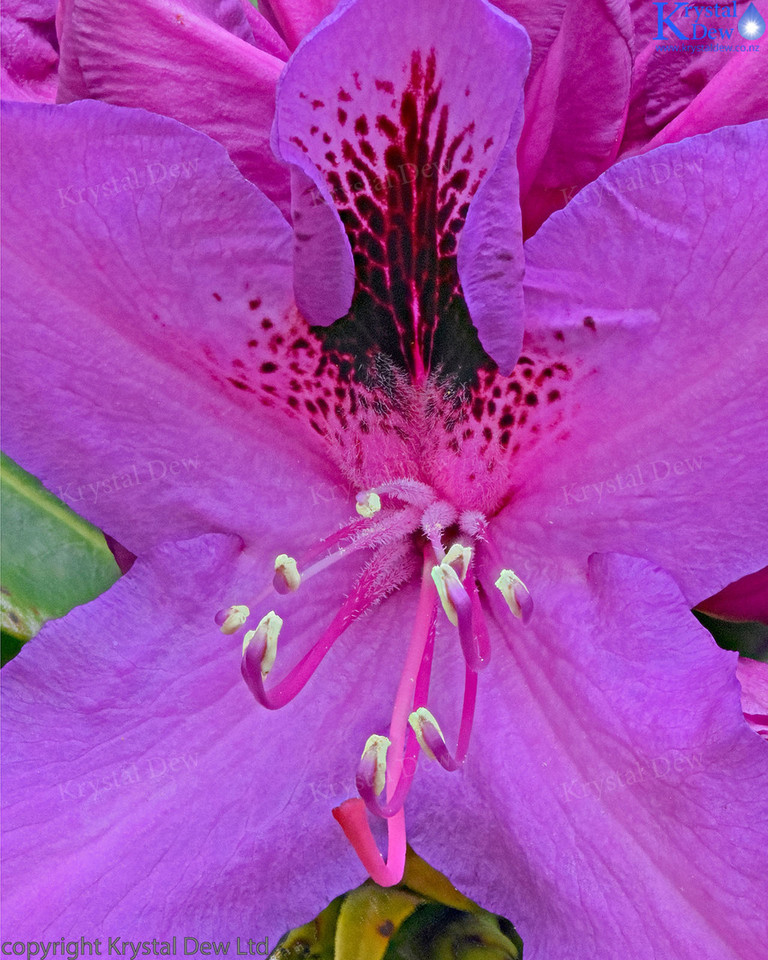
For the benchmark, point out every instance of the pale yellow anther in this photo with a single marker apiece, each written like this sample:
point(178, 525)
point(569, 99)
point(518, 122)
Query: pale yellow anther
point(458, 557)
point(267, 632)
point(286, 574)
point(417, 720)
point(512, 587)
point(234, 618)
point(368, 503)
point(375, 749)
point(442, 575)
point(452, 569)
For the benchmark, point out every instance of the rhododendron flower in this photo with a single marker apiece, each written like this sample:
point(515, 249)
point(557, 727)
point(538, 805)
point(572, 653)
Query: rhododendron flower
point(468, 518)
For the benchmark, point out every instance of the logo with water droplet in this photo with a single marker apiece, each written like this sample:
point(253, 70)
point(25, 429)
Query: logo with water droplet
point(751, 25)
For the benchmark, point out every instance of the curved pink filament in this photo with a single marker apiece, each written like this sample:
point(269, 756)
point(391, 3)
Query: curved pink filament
point(352, 817)
point(422, 628)
point(366, 773)
point(357, 603)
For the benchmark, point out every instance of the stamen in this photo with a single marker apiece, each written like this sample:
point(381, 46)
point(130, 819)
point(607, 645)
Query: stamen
point(287, 578)
point(414, 492)
point(441, 575)
point(473, 524)
point(265, 636)
point(368, 503)
point(430, 736)
point(366, 772)
point(461, 603)
point(374, 762)
point(434, 522)
point(353, 820)
point(371, 777)
point(230, 619)
point(361, 535)
point(459, 557)
point(414, 680)
point(421, 719)
point(516, 594)
point(377, 579)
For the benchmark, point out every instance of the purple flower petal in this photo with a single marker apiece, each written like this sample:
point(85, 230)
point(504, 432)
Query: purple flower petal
point(30, 54)
point(647, 287)
point(401, 141)
point(614, 802)
point(296, 18)
point(670, 74)
point(126, 365)
point(198, 63)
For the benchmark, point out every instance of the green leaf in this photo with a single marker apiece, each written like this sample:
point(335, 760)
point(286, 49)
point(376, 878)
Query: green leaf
point(52, 559)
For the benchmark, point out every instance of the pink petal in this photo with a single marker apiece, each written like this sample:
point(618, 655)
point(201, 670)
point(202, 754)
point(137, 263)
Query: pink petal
point(264, 34)
point(575, 107)
point(296, 18)
point(195, 62)
point(30, 56)
point(400, 138)
point(753, 677)
point(647, 287)
point(125, 366)
point(542, 22)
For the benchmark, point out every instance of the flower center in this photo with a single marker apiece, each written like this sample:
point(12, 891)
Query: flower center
point(402, 526)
